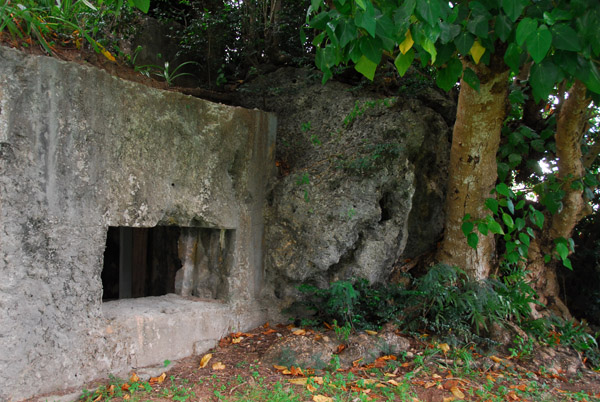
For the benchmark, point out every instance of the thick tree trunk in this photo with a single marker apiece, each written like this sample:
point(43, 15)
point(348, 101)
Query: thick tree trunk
point(472, 173)
point(571, 125)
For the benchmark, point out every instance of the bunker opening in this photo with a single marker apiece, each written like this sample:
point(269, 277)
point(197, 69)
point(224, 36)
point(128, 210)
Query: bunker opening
point(188, 261)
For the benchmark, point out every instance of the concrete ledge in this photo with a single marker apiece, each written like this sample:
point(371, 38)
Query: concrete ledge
point(154, 329)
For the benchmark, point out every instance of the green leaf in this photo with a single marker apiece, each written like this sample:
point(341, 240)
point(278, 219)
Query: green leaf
point(483, 228)
point(512, 57)
point(492, 205)
point(316, 4)
point(503, 170)
point(429, 47)
point(478, 26)
point(448, 32)
point(565, 38)
point(567, 263)
point(346, 32)
point(361, 3)
point(524, 238)
point(464, 42)
point(543, 78)
point(471, 78)
point(366, 67)
point(526, 27)
point(429, 10)
point(520, 223)
point(562, 250)
point(508, 221)
point(520, 205)
point(467, 227)
point(366, 19)
point(539, 43)
point(404, 61)
point(371, 48)
point(448, 76)
point(547, 258)
point(530, 232)
point(513, 8)
point(510, 206)
point(514, 160)
point(503, 189)
point(538, 219)
point(495, 227)
point(503, 27)
point(142, 5)
point(473, 240)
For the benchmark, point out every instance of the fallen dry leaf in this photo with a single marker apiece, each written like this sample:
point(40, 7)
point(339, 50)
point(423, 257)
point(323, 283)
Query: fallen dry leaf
point(218, 366)
point(205, 359)
point(393, 382)
point(444, 347)
point(356, 362)
point(126, 397)
point(318, 380)
point(159, 379)
point(286, 372)
point(321, 398)
point(436, 376)
point(370, 332)
point(280, 368)
point(448, 399)
point(310, 387)
point(236, 340)
point(496, 359)
point(269, 331)
point(299, 332)
point(134, 378)
point(297, 371)
point(298, 381)
point(429, 384)
point(98, 399)
point(451, 384)
point(125, 387)
point(387, 357)
point(340, 348)
point(457, 393)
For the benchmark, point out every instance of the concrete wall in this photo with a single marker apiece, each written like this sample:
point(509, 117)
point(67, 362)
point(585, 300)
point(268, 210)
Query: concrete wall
point(80, 151)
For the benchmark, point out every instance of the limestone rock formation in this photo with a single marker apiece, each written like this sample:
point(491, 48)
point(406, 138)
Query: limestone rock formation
point(361, 179)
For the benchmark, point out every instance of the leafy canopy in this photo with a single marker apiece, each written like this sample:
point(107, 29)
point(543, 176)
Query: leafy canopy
point(558, 39)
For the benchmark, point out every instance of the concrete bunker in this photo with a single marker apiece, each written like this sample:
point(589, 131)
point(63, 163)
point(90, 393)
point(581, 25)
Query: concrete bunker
point(75, 169)
point(155, 261)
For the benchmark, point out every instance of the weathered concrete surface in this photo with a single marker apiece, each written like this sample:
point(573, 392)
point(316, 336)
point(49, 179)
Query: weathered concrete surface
point(361, 182)
point(80, 151)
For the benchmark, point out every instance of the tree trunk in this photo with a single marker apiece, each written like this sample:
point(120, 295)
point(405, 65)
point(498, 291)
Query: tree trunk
point(571, 125)
point(472, 172)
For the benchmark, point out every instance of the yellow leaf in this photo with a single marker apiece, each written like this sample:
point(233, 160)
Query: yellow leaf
point(370, 332)
point(98, 399)
point(298, 381)
point(393, 382)
point(444, 347)
point(448, 399)
point(280, 368)
point(436, 376)
point(321, 398)
point(205, 359)
point(457, 393)
point(310, 388)
point(237, 340)
point(299, 332)
point(477, 51)
point(134, 378)
point(429, 384)
point(218, 366)
point(407, 43)
point(126, 397)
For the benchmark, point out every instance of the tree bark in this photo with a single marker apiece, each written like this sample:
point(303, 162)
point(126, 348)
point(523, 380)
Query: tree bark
point(472, 172)
point(571, 125)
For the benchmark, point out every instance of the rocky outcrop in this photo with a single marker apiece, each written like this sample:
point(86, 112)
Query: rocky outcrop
point(361, 179)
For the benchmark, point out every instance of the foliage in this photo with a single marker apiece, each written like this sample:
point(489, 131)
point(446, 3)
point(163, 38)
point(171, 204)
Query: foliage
point(66, 22)
point(166, 73)
point(558, 38)
point(443, 301)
